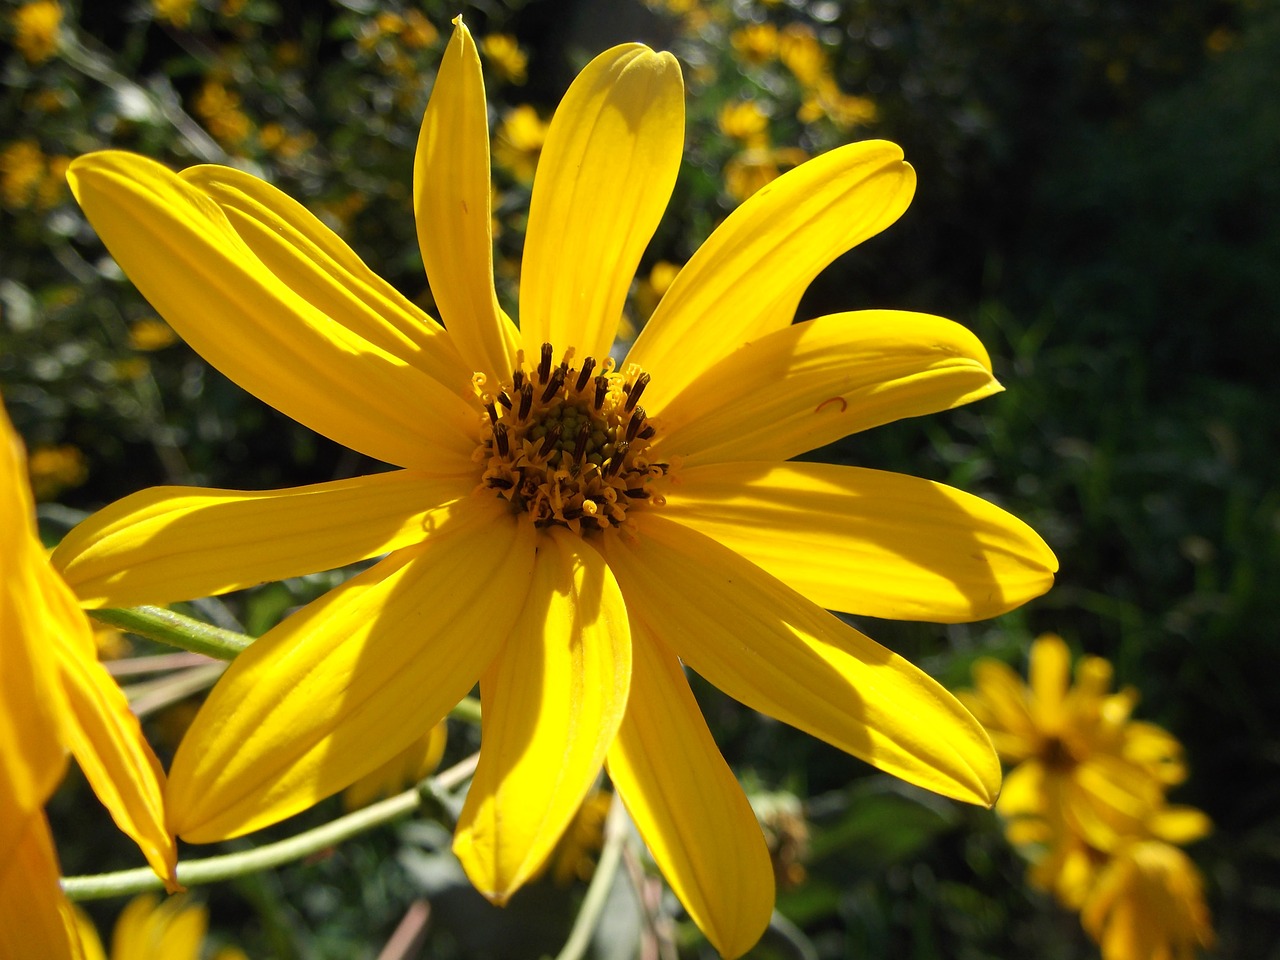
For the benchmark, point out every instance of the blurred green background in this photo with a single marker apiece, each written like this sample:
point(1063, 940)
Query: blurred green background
point(1099, 200)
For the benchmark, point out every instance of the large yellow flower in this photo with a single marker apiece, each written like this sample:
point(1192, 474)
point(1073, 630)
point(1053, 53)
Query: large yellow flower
point(563, 530)
point(55, 697)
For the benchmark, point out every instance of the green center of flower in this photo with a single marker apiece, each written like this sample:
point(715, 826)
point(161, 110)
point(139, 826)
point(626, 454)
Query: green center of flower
point(568, 444)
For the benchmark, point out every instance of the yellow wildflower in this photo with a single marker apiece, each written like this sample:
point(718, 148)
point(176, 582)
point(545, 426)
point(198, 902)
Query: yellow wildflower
point(756, 43)
point(503, 52)
point(651, 288)
point(572, 859)
point(518, 142)
point(844, 110)
point(745, 121)
point(219, 108)
point(1148, 902)
point(54, 469)
point(151, 333)
point(55, 696)
point(37, 28)
point(22, 169)
point(149, 929)
point(583, 550)
point(175, 12)
point(418, 31)
point(802, 54)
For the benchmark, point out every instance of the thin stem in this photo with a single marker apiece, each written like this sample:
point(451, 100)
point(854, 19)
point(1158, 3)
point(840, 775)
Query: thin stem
point(584, 925)
point(214, 869)
point(177, 630)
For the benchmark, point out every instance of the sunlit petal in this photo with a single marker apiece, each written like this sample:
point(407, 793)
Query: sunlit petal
point(553, 700)
point(865, 541)
point(313, 262)
point(179, 543)
point(451, 197)
point(767, 646)
point(35, 918)
point(747, 279)
point(606, 173)
point(147, 927)
point(352, 679)
point(250, 325)
point(815, 382)
point(687, 805)
point(1049, 676)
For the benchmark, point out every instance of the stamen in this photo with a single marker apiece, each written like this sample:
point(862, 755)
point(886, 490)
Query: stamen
point(615, 462)
point(504, 399)
point(500, 439)
point(490, 409)
point(580, 446)
point(647, 433)
point(550, 440)
point(526, 401)
point(635, 423)
point(602, 388)
point(553, 387)
point(517, 380)
point(634, 391)
point(544, 365)
point(588, 365)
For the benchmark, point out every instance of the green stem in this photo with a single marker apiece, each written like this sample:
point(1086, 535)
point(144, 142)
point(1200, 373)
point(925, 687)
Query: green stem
point(177, 630)
point(593, 903)
point(192, 873)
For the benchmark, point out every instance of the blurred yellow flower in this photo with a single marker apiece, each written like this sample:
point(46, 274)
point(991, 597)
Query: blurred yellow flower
point(802, 54)
point(55, 696)
point(175, 12)
point(584, 552)
point(503, 53)
point(844, 110)
point(756, 43)
point(54, 469)
point(37, 29)
point(22, 169)
point(1148, 904)
point(573, 858)
point(518, 142)
point(219, 108)
point(151, 333)
point(149, 929)
point(745, 121)
point(650, 289)
point(418, 31)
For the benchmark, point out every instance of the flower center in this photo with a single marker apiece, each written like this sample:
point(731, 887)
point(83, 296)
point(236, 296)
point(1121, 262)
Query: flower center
point(567, 444)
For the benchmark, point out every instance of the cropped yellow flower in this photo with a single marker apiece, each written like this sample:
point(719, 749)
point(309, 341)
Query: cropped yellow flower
point(549, 533)
point(503, 51)
point(148, 929)
point(1148, 904)
point(54, 469)
point(55, 697)
point(520, 138)
point(37, 27)
point(175, 12)
point(750, 171)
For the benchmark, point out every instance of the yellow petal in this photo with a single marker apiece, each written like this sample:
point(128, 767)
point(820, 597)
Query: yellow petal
point(451, 197)
point(35, 918)
point(172, 929)
point(865, 541)
point(1049, 676)
point(32, 758)
point(1007, 703)
point(1023, 793)
point(353, 678)
point(313, 262)
point(746, 280)
point(185, 256)
point(1180, 824)
point(603, 181)
point(178, 543)
point(687, 805)
point(90, 942)
point(764, 644)
point(117, 761)
point(815, 382)
point(553, 700)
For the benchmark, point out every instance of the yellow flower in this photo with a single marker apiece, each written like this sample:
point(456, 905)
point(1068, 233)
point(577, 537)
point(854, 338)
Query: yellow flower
point(504, 53)
point(745, 121)
point(572, 859)
point(520, 137)
point(544, 535)
point(755, 43)
point(149, 929)
point(219, 108)
point(36, 28)
point(418, 31)
point(1081, 765)
point(176, 12)
point(54, 469)
point(151, 333)
point(55, 697)
point(802, 54)
point(22, 169)
point(1148, 904)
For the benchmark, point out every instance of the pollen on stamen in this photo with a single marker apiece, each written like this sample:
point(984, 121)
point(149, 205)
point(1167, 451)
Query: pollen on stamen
point(568, 443)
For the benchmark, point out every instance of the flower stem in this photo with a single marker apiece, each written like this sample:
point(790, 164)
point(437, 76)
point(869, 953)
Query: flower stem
point(177, 630)
point(192, 873)
point(584, 925)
